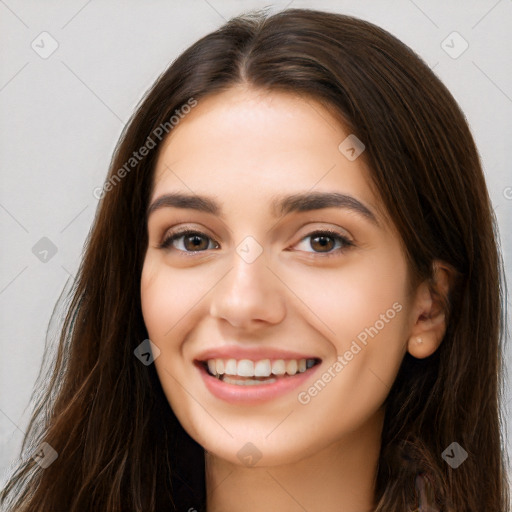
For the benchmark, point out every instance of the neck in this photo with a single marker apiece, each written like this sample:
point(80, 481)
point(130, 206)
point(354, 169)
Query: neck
point(341, 476)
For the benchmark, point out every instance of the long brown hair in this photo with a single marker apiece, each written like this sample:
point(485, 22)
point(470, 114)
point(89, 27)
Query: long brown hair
point(119, 445)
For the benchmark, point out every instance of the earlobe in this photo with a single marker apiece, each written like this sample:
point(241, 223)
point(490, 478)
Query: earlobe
point(429, 321)
point(427, 336)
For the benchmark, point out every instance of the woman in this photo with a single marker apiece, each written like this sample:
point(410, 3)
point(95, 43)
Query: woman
point(290, 297)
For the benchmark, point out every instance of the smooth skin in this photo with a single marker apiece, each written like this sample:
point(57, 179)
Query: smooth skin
point(244, 148)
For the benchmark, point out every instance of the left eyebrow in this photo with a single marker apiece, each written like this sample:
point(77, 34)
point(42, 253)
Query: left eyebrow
point(283, 205)
point(280, 205)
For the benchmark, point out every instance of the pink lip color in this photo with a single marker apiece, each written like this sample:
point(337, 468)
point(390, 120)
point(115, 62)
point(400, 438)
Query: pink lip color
point(253, 353)
point(257, 393)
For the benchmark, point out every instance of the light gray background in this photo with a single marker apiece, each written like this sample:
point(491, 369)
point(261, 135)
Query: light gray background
point(61, 117)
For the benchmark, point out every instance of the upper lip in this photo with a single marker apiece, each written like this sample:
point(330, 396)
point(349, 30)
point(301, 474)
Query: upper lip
point(254, 353)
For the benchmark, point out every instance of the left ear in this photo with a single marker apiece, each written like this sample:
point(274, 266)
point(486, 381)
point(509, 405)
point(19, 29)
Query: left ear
point(429, 312)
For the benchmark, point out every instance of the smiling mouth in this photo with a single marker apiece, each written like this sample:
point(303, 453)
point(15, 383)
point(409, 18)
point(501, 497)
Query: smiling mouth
point(265, 371)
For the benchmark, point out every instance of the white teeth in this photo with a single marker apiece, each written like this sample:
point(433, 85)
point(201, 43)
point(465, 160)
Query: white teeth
point(212, 366)
point(279, 367)
point(291, 367)
point(245, 368)
point(230, 367)
point(261, 368)
point(247, 382)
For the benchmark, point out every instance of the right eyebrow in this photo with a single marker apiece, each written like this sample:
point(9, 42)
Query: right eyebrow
point(181, 200)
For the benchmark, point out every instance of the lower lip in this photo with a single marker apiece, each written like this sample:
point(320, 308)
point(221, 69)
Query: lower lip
point(236, 394)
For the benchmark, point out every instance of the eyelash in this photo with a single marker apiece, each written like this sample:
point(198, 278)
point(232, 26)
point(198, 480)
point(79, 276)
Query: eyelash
point(346, 243)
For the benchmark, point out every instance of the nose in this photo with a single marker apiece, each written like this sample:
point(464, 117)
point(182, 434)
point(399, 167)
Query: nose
point(249, 296)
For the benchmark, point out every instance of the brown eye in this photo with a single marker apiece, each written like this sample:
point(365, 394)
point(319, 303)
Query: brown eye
point(195, 242)
point(322, 243)
point(188, 241)
point(328, 243)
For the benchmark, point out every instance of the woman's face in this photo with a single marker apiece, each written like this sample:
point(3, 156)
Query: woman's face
point(289, 264)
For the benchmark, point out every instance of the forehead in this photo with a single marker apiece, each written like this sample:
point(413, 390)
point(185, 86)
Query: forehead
point(249, 145)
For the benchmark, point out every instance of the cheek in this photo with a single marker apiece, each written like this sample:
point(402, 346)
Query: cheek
point(159, 301)
point(365, 300)
point(171, 303)
point(168, 297)
point(345, 301)
point(363, 311)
